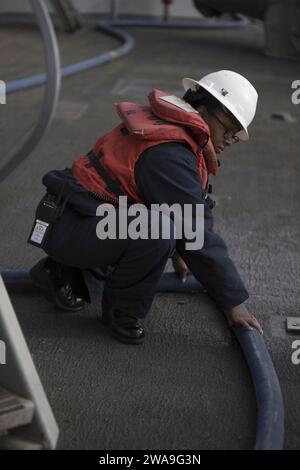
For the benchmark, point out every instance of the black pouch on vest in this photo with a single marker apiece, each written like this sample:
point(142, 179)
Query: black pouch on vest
point(46, 215)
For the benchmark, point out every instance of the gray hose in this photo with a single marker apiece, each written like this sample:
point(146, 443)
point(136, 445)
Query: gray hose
point(34, 135)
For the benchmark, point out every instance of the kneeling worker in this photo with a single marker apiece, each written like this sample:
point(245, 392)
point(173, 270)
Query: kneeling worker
point(161, 153)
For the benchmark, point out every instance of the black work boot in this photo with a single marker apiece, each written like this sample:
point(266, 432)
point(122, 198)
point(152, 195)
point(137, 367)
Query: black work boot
point(126, 328)
point(49, 276)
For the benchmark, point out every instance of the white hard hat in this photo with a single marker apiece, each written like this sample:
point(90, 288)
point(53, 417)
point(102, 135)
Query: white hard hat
point(234, 91)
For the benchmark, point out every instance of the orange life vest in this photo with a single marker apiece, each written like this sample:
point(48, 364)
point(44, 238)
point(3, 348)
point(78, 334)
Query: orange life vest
point(143, 127)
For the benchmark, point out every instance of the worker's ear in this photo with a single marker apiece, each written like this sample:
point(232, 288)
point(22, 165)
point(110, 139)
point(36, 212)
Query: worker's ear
point(202, 110)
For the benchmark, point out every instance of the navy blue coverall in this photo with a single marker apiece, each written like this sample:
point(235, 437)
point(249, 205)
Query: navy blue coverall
point(165, 173)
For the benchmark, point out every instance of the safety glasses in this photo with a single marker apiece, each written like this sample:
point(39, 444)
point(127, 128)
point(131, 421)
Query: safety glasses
point(228, 134)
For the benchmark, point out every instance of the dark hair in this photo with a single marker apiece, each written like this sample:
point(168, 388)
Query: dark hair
point(201, 97)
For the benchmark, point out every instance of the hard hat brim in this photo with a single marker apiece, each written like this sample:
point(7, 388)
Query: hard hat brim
point(190, 83)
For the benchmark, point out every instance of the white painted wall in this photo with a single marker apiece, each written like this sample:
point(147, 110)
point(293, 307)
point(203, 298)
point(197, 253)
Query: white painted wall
point(181, 8)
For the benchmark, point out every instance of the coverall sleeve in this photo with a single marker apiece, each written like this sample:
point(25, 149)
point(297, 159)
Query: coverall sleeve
point(167, 173)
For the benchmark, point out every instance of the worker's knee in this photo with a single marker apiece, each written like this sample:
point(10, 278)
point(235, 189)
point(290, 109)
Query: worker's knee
point(155, 234)
point(154, 248)
point(167, 245)
point(162, 231)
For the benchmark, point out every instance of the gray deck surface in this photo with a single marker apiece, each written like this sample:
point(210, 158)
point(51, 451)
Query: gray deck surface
point(187, 386)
